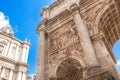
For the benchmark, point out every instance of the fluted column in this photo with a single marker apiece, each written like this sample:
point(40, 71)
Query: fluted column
point(19, 77)
point(10, 75)
point(84, 37)
point(41, 56)
point(3, 72)
point(23, 53)
point(24, 76)
point(7, 48)
point(16, 54)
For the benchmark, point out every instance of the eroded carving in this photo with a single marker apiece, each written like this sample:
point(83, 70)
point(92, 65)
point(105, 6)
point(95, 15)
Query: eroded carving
point(63, 37)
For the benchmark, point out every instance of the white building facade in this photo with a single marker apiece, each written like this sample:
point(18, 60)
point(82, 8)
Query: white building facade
point(13, 56)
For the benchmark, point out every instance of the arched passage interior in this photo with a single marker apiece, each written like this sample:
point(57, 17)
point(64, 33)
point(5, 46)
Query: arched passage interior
point(69, 69)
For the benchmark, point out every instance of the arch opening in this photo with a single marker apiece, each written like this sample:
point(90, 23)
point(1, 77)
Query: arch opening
point(116, 51)
point(69, 69)
point(110, 26)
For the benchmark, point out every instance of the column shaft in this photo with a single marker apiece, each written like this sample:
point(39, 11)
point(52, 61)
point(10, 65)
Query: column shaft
point(41, 57)
point(19, 76)
point(7, 48)
point(10, 75)
point(85, 40)
point(23, 53)
point(3, 72)
point(16, 54)
point(24, 76)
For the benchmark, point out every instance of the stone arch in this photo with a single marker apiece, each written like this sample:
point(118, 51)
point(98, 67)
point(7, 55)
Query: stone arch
point(108, 23)
point(98, 17)
point(79, 59)
point(69, 69)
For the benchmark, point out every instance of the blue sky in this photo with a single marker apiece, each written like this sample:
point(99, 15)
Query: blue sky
point(24, 16)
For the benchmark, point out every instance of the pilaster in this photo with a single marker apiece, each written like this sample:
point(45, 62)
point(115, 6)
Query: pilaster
point(7, 48)
point(19, 75)
point(24, 76)
point(10, 75)
point(17, 53)
point(3, 72)
point(23, 53)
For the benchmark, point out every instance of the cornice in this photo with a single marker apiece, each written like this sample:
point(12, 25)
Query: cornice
point(87, 4)
point(51, 6)
point(60, 16)
point(15, 39)
point(6, 59)
point(55, 4)
point(46, 24)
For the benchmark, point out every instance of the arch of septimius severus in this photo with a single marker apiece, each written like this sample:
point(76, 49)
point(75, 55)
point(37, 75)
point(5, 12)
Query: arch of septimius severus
point(76, 40)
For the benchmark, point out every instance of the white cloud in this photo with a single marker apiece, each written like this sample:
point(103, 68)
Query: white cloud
point(4, 21)
point(32, 76)
point(118, 65)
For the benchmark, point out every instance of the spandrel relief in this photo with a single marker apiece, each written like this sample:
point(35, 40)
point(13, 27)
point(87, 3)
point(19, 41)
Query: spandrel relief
point(63, 37)
point(71, 51)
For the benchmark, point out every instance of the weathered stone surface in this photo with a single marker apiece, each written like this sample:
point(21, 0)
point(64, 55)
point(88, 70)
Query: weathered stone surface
point(82, 31)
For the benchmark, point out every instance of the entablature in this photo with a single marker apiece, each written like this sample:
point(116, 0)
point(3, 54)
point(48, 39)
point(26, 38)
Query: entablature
point(12, 61)
point(56, 8)
point(50, 24)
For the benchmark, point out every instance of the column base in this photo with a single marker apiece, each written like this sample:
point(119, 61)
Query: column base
point(93, 70)
point(103, 75)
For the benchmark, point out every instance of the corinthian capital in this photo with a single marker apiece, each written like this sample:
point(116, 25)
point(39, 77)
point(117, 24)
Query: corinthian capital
point(42, 26)
point(74, 8)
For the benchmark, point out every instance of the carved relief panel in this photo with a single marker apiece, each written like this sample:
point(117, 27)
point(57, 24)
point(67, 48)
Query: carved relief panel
point(91, 8)
point(64, 36)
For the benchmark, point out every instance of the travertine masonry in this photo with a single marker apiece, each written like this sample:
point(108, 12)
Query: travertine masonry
point(78, 39)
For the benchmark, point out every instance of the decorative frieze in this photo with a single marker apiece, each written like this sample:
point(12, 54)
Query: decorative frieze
point(64, 36)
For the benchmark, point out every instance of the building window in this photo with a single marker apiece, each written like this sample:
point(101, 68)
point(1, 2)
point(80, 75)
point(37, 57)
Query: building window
point(1, 48)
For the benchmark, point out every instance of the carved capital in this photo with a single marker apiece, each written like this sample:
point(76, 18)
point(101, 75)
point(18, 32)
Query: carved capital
point(74, 8)
point(42, 26)
point(98, 37)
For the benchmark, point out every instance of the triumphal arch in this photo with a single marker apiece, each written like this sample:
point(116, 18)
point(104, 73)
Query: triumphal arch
point(76, 40)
